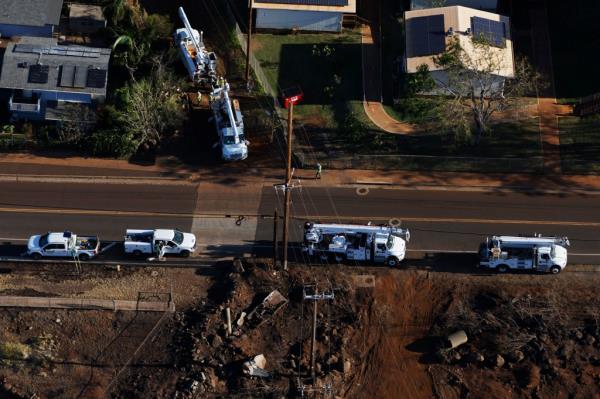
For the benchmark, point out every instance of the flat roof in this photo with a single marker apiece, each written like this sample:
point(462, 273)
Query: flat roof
point(87, 11)
point(460, 20)
point(30, 12)
point(346, 6)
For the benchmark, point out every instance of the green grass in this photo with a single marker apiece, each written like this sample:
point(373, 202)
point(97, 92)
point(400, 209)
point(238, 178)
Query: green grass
point(326, 66)
point(580, 144)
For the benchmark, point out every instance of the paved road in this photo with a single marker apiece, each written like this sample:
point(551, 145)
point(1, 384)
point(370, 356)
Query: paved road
point(439, 220)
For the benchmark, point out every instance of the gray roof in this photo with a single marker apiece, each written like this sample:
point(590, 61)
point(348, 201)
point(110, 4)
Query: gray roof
point(30, 12)
point(40, 63)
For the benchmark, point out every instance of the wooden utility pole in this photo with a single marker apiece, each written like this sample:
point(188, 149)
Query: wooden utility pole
point(313, 342)
point(249, 40)
point(275, 238)
point(288, 181)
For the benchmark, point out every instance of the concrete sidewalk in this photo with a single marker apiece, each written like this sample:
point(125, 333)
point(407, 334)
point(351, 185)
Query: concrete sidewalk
point(85, 304)
point(242, 178)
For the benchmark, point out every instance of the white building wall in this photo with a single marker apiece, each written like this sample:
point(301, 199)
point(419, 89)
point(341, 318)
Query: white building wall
point(320, 21)
point(487, 5)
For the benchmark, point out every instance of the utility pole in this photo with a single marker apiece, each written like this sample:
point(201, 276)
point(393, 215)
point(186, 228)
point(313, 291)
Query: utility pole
point(291, 96)
point(249, 40)
point(315, 296)
point(288, 181)
point(275, 238)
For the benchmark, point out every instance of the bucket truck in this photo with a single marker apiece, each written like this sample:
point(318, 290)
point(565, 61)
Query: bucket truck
point(200, 63)
point(376, 244)
point(504, 253)
point(229, 123)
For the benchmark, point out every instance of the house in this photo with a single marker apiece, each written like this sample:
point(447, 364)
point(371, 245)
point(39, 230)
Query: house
point(429, 31)
point(43, 78)
point(29, 17)
point(486, 5)
point(86, 18)
point(303, 15)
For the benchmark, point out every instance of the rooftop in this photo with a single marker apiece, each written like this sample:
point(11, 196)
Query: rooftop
point(345, 6)
point(30, 12)
point(40, 63)
point(86, 11)
point(428, 32)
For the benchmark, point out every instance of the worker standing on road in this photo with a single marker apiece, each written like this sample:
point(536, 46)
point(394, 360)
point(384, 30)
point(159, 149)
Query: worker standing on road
point(319, 170)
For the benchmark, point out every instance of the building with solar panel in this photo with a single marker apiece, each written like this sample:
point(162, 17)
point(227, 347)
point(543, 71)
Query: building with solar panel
point(29, 17)
point(302, 15)
point(429, 31)
point(43, 78)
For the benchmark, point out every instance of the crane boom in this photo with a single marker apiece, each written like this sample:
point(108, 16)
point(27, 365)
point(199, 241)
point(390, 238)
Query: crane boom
point(229, 109)
point(189, 29)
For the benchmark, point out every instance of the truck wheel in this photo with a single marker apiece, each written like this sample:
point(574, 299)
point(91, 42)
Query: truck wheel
point(393, 261)
point(137, 253)
point(185, 253)
point(502, 268)
point(36, 256)
point(555, 269)
point(84, 257)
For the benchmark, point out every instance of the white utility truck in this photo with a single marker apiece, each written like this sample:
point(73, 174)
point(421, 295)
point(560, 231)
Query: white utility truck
point(503, 253)
point(229, 123)
point(377, 244)
point(159, 241)
point(200, 63)
point(65, 244)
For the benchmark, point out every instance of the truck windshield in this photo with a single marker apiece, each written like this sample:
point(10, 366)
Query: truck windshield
point(390, 242)
point(228, 139)
point(43, 240)
point(178, 238)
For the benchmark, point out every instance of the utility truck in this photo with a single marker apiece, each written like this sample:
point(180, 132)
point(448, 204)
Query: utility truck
point(65, 244)
point(200, 63)
point(538, 253)
point(159, 242)
point(376, 244)
point(229, 123)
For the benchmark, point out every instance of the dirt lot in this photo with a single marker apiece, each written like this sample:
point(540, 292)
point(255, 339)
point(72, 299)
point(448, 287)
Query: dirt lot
point(529, 336)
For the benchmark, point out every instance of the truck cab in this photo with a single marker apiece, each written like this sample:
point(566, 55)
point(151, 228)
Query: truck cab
point(389, 248)
point(64, 245)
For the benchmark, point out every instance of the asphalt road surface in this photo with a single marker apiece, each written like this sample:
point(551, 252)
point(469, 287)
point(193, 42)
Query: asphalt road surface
point(440, 221)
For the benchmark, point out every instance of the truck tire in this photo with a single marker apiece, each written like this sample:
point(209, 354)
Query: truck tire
point(555, 269)
point(36, 256)
point(502, 268)
point(84, 257)
point(393, 261)
point(185, 253)
point(137, 253)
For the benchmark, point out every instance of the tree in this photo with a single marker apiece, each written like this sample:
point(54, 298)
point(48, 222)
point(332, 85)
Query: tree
point(151, 109)
point(475, 83)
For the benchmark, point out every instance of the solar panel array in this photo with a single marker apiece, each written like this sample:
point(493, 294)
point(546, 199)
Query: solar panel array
point(38, 74)
point(334, 3)
point(84, 52)
point(96, 78)
point(494, 32)
point(425, 36)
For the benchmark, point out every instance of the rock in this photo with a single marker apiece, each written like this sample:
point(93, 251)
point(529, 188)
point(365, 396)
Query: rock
point(456, 357)
point(216, 341)
point(293, 364)
point(332, 360)
point(154, 273)
point(318, 368)
point(590, 340)
point(578, 335)
point(516, 356)
point(57, 320)
point(476, 357)
point(347, 367)
point(498, 361)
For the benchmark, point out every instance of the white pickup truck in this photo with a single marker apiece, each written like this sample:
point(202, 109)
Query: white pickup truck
point(64, 244)
point(167, 241)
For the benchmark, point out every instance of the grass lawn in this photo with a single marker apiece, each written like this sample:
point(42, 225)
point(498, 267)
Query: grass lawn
point(327, 67)
point(580, 144)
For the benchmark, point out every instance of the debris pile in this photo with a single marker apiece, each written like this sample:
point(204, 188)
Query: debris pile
point(253, 334)
point(532, 342)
